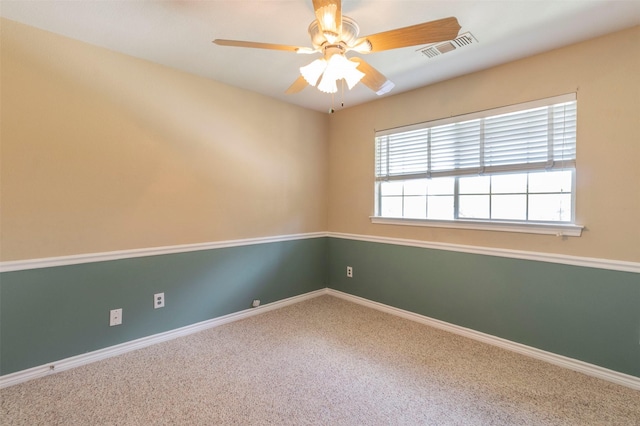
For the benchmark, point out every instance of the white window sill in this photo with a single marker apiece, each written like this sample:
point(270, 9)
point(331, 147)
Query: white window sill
point(557, 229)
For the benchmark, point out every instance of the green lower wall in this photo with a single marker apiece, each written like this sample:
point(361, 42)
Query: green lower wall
point(587, 314)
point(54, 313)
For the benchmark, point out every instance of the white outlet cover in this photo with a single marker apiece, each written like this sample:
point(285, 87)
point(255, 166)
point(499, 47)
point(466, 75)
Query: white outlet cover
point(115, 317)
point(158, 300)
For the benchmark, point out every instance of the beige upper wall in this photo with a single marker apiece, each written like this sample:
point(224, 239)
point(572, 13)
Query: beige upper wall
point(605, 73)
point(103, 152)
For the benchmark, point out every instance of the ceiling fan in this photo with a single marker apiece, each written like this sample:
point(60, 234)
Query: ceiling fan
point(333, 35)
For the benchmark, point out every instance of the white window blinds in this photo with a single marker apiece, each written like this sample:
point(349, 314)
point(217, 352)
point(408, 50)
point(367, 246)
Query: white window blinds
point(537, 135)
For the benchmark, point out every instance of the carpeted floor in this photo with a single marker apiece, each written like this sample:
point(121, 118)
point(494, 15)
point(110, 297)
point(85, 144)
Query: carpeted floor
point(324, 361)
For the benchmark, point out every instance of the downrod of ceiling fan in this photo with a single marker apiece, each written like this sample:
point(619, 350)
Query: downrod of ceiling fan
point(328, 50)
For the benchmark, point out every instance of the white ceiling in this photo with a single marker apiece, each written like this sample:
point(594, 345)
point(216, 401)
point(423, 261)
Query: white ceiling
point(178, 34)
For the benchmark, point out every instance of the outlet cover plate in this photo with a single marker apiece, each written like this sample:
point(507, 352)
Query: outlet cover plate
point(115, 317)
point(158, 300)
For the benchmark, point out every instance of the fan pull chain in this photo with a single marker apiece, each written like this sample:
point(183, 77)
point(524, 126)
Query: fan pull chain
point(333, 100)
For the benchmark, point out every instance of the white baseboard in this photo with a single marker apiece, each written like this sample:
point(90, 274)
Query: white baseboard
point(627, 380)
point(77, 361)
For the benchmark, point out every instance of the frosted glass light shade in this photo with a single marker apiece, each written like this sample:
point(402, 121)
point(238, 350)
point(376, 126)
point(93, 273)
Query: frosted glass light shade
point(313, 71)
point(352, 77)
point(339, 67)
point(327, 84)
point(346, 69)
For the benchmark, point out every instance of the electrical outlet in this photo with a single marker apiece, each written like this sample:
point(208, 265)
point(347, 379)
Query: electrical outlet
point(115, 317)
point(349, 272)
point(255, 303)
point(158, 300)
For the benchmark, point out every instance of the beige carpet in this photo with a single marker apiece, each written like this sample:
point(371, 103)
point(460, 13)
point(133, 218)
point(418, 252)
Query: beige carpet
point(325, 361)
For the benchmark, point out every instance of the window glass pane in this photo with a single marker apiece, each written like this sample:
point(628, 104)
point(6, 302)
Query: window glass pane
point(391, 206)
point(440, 207)
point(559, 181)
point(509, 207)
point(509, 183)
point(550, 207)
point(474, 207)
point(474, 185)
point(391, 188)
point(441, 186)
point(415, 187)
point(415, 207)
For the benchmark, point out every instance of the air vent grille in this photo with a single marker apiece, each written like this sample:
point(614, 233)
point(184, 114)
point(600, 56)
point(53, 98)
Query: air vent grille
point(462, 40)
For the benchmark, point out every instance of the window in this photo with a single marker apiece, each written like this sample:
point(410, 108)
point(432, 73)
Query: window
point(508, 165)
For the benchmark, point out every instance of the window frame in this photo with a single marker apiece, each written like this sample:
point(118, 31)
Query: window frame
point(559, 228)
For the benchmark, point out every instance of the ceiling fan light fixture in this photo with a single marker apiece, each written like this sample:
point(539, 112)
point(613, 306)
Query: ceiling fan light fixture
point(313, 71)
point(337, 68)
point(352, 77)
point(327, 84)
point(340, 67)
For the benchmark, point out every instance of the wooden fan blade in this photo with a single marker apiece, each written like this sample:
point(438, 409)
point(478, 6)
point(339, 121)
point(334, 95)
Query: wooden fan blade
point(328, 20)
point(297, 86)
point(425, 33)
point(256, 45)
point(373, 78)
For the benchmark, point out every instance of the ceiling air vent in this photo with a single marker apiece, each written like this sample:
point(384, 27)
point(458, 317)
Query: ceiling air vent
point(462, 40)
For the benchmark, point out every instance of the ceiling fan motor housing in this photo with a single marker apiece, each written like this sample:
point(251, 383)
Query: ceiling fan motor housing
point(348, 33)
